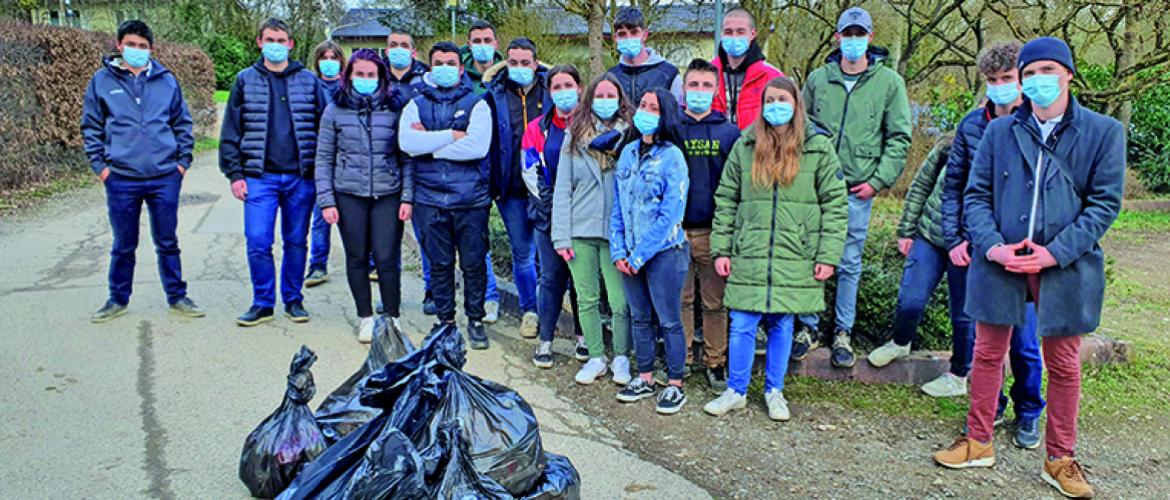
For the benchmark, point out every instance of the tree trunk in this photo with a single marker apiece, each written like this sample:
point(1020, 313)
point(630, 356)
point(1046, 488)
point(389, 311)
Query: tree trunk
point(596, 43)
point(1124, 61)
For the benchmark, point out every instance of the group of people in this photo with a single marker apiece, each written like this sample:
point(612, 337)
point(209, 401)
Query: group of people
point(726, 184)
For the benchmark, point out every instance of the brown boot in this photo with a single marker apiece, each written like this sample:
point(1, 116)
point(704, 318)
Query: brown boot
point(966, 453)
point(1066, 475)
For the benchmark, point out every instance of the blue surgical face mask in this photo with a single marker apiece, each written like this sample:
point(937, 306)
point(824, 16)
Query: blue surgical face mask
point(521, 75)
point(630, 47)
point(565, 100)
point(699, 101)
point(329, 68)
point(646, 122)
point(778, 113)
point(1042, 89)
point(445, 76)
point(365, 86)
point(135, 57)
point(854, 47)
point(483, 53)
point(605, 108)
point(1005, 94)
point(275, 53)
point(399, 57)
point(735, 46)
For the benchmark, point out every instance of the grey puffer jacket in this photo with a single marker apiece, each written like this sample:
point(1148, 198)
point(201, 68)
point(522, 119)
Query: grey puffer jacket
point(583, 198)
point(357, 150)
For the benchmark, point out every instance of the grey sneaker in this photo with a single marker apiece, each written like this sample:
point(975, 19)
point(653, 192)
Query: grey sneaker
point(108, 312)
point(365, 330)
point(946, 385)
point(529, 325)
point(491, 310)
point(186, 308)
point(316, 277)
point(726, 402)
point(842, 354)
point(543, 358)
point(887, 353)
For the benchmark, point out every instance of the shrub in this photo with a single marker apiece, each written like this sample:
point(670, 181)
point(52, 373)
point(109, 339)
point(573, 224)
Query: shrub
point(44, 72)
point(230, 56)
point(1149, 139)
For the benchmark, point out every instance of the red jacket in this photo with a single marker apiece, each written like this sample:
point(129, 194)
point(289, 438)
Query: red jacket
point(759, 73)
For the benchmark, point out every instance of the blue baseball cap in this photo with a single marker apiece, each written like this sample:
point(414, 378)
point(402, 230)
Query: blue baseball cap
point(855, 16)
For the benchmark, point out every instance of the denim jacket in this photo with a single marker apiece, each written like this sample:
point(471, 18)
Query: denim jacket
point(650, 198)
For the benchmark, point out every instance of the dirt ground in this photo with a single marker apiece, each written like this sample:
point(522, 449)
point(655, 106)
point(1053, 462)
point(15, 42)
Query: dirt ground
point(832, 450)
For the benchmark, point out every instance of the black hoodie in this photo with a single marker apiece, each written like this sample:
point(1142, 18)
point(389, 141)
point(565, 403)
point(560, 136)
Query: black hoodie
point(706, 144)
point(733, 77)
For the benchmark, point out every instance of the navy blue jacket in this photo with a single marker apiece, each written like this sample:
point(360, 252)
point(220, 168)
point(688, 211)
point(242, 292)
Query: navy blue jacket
point(506, 161)
point(412, 80)
point(1077, 199)
point(136, 127)
point(654, 72)
point(330, 87)
point(442, 183)
point(967, 138)
point(706, 144)
point(245, 132)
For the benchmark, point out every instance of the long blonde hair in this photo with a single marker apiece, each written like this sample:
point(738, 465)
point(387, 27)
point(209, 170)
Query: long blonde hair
point(777, 156)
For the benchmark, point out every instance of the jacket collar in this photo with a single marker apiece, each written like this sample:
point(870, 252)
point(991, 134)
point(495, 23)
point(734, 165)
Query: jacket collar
point(293, 67)
point(114, 63)
point(1023, 117)
point(753, 55)
point(876, 56)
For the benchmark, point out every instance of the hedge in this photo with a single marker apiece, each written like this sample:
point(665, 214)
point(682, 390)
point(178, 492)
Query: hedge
point(44, 72)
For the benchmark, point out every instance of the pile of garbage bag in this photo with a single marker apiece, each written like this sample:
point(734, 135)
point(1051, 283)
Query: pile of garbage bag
point(431, 431)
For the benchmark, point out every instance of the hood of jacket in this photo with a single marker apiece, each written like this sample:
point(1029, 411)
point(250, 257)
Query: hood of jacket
point(469, 62)
point(114, 63)
point(654, 58)
point(500, 69)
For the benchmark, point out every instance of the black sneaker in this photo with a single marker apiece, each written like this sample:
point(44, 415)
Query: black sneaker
point(430, 308)
point(717, 379)
point(581, 351)
point(661, 378)
point(761, 342)
point(316, 277)
point(671, 400)
point(187, 308)
point(108, 312)
point(543, 358)
point(296, 312)
point(842, 351)
point(636, 390)
point(803, 343)
point(477, 336)
point(255, 316)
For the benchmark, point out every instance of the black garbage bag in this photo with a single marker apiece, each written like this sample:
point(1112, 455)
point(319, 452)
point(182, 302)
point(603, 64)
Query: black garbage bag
point(560, 480)
point(288, 439)
point(459, 479)
point(391, 468)
point(342, 411)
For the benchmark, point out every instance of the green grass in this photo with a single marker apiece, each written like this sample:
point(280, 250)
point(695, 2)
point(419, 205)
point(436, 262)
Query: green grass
point(206, 144)
point(1128, 221)
point(14, 200)
point(221, 96)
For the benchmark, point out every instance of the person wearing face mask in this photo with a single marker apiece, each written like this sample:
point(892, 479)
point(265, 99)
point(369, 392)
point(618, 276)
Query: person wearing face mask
point(581, 207)
point(329, 61)
point(138, 136)
point(1046, 184)
point(406, 71)
point(648, 245)
point(707, 137)
point(742, 70)
point(365, 184)
point(267, 150)
point(939, 242)
point(639, 67)
point(481, 53)
point(780, 224)
point(447, 131)
point(864, 104)
point(542, 144)
point(516, 96)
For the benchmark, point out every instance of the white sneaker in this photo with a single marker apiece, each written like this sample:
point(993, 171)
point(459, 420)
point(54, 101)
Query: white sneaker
point(621, 370)
point(887, 354)
point(365, 330)
point(729, 400)
point(946, 385)
point(777, 406)
point(529, 324)
point(491, 311)
point(592, 370)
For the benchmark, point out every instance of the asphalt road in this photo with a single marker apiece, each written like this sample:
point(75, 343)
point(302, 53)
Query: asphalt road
point(153, 405)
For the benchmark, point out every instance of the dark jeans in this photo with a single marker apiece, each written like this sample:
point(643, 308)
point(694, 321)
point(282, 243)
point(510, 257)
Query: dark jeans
point(521, 232)
point(493, 293)
point(124, 199)
point(554, 279)
point(371, 225)
point(446, 231)
point(293, 196)
point(318, 241)
point(656, 290)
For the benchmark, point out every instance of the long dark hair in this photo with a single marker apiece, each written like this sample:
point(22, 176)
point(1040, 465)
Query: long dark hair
point(669, 119)
point(582, 122)
point(370, 55)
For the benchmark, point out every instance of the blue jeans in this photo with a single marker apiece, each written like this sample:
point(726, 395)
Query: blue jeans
point(923, 270)
point(741, 349)
point(492, 294)
point(293, 196)
point(319, 233)
point(521, 231)
point(849, 271)
point(124, 199)
point(657, 289)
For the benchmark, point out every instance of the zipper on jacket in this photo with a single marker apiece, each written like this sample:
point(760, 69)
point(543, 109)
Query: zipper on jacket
point(1035, 196)
point(771, 245)
point(368, 124)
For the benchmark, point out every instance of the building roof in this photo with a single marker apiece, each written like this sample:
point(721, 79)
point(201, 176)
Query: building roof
point(376, 22)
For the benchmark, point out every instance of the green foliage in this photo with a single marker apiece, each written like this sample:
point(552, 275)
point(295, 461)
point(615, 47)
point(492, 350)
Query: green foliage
point(230, 55)
point(1149, 138)
point(221, 96)
point(1153, 222)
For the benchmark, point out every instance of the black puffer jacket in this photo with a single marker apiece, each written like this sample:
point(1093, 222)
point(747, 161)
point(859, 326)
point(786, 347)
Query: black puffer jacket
point(357, 150)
